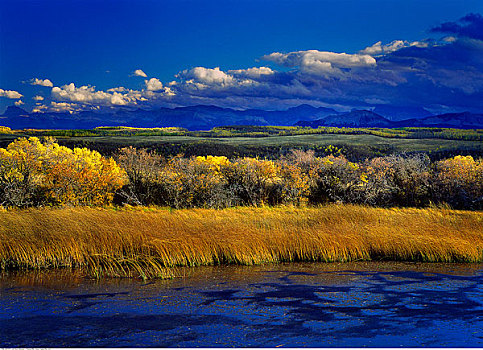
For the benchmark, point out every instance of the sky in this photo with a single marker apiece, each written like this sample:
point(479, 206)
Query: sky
point(75, 55)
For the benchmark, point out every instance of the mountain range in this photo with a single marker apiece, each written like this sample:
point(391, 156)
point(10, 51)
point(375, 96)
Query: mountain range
point(363, 118)
point(205, 117)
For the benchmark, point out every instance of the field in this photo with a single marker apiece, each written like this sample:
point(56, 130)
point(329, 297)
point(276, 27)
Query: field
point(151, 242)
point(270, 142)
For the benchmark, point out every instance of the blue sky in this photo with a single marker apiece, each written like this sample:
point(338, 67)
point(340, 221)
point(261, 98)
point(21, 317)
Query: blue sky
point(81, 55)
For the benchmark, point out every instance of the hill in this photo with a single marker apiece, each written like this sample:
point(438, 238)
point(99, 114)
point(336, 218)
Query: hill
point(203, 117)
point(355, 119)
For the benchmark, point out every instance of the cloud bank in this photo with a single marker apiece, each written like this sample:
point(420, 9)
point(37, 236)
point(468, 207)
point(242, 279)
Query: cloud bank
point(442, 74)
point(470, 26)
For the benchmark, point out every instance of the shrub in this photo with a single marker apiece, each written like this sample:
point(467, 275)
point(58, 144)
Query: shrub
point(252, 181)
point(336, 180)
point(36, 173)
point(397, 180)
point(143, 170)
point(194, 182)
point(458, 181)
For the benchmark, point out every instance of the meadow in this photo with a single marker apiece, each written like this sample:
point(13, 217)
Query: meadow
point(267, 141)
point(151, 242)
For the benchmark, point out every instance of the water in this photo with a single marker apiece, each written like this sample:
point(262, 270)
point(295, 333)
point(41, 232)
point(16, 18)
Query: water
point(292, 305)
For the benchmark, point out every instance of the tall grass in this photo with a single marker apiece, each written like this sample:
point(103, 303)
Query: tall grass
point(149, 242)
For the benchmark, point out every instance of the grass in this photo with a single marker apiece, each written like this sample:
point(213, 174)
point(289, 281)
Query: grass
point(173, 144)
point(400, 145)
point(150, 242)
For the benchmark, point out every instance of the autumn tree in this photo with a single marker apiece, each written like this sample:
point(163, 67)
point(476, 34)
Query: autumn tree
point(458, 181)
point(37, 173)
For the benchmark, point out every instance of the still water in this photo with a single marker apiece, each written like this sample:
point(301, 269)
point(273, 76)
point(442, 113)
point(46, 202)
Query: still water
point(293, 305)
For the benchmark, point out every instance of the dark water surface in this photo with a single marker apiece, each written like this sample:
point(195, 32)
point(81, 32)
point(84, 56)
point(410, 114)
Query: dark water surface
point(293, 305)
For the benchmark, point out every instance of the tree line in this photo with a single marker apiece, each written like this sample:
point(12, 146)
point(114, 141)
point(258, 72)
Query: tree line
point(43, 173)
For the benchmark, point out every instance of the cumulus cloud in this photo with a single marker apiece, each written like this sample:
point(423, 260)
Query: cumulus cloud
point(322, 63)
point(18, 103)
point(64, 107)
point(153, 84)
point(89, 95)
point(140, 73)
point(413, 73)
point(252, 73)
point(44, 82)
point(39, 108)
point(38, 98)
point(470, 26)
point(379, 49)
point(423, 73)
point(203, 77)
point(10, 94)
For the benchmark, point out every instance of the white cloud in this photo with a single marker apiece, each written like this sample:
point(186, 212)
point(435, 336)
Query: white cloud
point(140, 73)
point(168, 91)
point(208, 76)
point(39, 109)
point(373, 50)
point(118, 89)
point(19, 103)
point(253, 73)
point(323, 63)
point(153, 84)
point(88, 95)
point(45, 82)
point(378, 49)
point(64, 107)
point(10, 94)
point(213, 79)
point(38, 98)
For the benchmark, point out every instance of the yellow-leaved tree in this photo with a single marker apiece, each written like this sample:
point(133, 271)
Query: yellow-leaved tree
point(44, 173)
point(458, 181)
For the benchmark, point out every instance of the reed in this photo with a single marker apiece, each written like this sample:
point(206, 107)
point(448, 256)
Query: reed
point(152, 242)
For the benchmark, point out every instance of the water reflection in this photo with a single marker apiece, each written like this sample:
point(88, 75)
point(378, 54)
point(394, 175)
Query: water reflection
point(318, 305)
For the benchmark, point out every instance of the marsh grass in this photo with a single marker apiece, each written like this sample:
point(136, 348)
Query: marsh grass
point(151, 242)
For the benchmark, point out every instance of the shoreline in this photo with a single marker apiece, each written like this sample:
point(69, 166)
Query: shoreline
point(146, 242)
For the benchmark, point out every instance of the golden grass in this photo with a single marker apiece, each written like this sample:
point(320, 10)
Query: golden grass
point(149, 242)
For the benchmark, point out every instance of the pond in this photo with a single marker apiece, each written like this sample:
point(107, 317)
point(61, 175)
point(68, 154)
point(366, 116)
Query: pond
point(376, 304)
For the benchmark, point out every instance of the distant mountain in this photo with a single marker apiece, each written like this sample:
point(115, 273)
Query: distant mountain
point(204, 117)
point(464, 120)
point(193, 117)
point(14, 111)
point(355, 118)
point(396, 113)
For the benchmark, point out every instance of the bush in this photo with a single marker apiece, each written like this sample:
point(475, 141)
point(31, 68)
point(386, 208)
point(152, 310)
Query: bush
point(458, 181)
point(36, 173)
point(397, 180)
point(143, 170)
point(194, 182)
point(336, 180)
